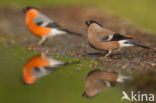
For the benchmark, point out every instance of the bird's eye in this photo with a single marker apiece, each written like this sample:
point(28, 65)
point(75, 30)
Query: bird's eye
point(37, 69)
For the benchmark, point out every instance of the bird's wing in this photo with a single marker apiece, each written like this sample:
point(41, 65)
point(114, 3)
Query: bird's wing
point(102, 85)
point(40, 71)
point(103, 32)
point(114, 37)
point(44, 21)
point(48, 24)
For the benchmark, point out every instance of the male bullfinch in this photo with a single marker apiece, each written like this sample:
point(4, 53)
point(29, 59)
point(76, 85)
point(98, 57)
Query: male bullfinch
point(38, 67)
point(42, 26)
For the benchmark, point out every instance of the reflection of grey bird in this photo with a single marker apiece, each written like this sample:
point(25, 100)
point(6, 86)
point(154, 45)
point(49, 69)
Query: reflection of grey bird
point(125, 96)
point(42, 26)
point(98, 81)
point(111, 40)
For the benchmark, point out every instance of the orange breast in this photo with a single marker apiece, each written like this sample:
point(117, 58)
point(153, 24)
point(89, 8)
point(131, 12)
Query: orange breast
point(35, 29)
point(37, 61)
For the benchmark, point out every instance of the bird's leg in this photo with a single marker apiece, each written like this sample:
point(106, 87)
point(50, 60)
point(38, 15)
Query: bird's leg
point(41, 41)
point(105, 57)
point(44, 53)
point(109, 52)
point(117, 50)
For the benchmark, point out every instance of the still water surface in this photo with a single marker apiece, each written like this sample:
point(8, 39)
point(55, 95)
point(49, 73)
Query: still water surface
point(62, 85)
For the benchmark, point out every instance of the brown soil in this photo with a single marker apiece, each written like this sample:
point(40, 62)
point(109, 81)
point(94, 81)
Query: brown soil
point(73, 18)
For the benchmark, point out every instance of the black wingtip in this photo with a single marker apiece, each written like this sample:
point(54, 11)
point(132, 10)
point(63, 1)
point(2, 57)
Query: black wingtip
point(118, 36)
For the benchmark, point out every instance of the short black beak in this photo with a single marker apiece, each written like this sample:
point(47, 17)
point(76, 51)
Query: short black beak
point(87, 23)
point(24, 83)
point(24, 10)
point(85, 95)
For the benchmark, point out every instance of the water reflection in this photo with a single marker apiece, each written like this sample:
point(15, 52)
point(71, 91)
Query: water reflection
point(144, 82)
point(98, 81)
point(39, 66)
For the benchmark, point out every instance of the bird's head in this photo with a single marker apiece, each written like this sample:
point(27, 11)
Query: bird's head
point(31, 11)
point(30, 79)
point(89, 22)
point(29, 8)
point(91, 93)
point(85, 95)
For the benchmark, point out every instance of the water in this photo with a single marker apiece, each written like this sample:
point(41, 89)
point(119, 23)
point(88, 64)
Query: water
point(63, 85)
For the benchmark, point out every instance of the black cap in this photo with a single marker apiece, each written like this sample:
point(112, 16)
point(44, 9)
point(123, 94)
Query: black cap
point(89, 22)
point(28, 8)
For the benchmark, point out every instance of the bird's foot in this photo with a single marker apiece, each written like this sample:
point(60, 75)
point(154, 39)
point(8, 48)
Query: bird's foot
point(117, 50)
point(115, 57)
point(42, 41)
point(104, 59)
point(45, 52)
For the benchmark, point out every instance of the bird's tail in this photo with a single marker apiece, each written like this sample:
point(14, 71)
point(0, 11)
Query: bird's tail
point(127, 42)
point(72, 33)
point(140, 45)
point(122, 78)
point(59, 65)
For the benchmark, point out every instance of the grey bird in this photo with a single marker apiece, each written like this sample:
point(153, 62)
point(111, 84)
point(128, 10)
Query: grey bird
point(111, 41)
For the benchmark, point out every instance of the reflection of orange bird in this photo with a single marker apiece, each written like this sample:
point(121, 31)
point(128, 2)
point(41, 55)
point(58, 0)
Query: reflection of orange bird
point(98, 81)
point(39, 66)
point(42, 26)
